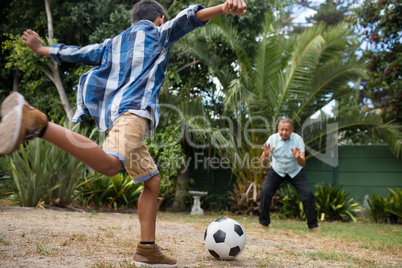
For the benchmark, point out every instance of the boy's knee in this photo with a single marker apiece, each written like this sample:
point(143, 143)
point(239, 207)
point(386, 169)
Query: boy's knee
point(110, 172)
point(154, 182)
point(112, 167)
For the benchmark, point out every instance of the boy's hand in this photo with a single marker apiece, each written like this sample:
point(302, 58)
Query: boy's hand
point(32, 40)
point(234, 7)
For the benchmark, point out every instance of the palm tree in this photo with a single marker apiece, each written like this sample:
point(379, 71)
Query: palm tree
point(286, 76)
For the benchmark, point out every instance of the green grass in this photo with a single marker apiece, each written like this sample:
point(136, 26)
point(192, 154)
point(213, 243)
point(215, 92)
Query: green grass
point(367, 235)
point(3, 240)
point(42, 249)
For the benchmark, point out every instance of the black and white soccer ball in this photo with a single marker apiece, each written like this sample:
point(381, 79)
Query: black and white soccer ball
point(225, 238)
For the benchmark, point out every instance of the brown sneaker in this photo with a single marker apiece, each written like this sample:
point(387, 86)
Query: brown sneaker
point(152, 256)
point(20, 122)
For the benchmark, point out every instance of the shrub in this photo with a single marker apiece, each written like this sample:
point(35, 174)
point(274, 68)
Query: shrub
point(291, 206)
point(114, 192)
point(43, 173)
point(377, 205)
point(386, 209)
point(6, 182)
point(332, 204)
point(395, 206)
point(167, 152)
point(246, 194)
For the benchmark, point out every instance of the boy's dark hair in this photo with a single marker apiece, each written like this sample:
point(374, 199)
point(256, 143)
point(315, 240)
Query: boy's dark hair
point(147, 10)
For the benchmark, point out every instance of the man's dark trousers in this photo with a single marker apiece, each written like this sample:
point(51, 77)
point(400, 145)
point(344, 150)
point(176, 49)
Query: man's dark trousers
point(300, 182)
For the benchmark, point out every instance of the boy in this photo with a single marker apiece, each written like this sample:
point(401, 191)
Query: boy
point(121, 94)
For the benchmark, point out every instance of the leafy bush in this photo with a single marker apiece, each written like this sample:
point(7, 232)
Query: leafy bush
point(395, 206)
point(214, 202)
point(377, 206)
point(291, 205)
point(165, 148)
point(246, 194)
point(114, 192)
point(332, 204)
point(5, 169)
point(6, 183)
point(43, 173)
point(386, 209)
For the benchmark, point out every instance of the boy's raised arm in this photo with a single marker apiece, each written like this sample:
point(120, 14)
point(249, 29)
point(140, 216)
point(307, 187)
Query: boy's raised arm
point(32, 40)
point(234, 7)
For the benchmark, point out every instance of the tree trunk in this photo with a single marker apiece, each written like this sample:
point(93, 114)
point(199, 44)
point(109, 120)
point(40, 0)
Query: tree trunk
point(62, 93)
point(15, 81)
point(179, 203)
point(54, 70)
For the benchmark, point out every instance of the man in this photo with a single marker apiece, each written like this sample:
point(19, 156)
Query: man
point(288, 159)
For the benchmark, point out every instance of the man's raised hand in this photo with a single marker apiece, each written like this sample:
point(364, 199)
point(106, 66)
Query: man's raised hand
point(296, 152)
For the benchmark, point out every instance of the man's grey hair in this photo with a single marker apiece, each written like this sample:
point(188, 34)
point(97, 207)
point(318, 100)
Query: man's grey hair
point(286, 120)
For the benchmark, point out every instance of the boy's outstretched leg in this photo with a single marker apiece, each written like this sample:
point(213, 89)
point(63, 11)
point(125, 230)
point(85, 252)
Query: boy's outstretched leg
point(149, 254)
point(82, 148)
point(21, 122)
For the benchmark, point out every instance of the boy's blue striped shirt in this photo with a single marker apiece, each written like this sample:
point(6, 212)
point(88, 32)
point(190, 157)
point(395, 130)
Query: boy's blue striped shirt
point(129, 69)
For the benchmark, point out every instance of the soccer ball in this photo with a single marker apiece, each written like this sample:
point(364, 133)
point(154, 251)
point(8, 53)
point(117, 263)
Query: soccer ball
point(224, 238)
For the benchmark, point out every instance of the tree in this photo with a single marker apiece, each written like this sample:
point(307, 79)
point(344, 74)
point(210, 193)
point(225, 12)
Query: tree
point(330, 12)
point(381, 23)
point(74, 23)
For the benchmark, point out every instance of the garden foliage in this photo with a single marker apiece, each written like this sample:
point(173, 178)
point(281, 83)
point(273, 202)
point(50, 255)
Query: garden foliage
point(115, 192)
point(44, 174)
point(331, 203)
point(386, 209)
point(290, 204)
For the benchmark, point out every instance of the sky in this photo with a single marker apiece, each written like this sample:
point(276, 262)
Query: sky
point(300, 13)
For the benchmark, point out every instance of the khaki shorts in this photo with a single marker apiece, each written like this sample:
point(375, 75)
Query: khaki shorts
point(125, 141)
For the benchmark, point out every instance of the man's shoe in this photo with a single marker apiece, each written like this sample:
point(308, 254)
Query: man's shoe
point(315, 229)
point(20, 122)
point(152, 256)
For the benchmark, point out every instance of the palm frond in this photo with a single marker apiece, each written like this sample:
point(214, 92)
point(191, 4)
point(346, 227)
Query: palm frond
point(221, 27)
point(330, 77)
point(267, 61)
point(354, 119)
point(340, 39)
point(239, 95)
point(297, 76)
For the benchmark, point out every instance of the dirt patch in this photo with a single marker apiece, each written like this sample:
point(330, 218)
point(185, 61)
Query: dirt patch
point(62, 238)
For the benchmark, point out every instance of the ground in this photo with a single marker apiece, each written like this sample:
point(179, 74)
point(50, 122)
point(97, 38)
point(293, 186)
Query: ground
point(40, 237)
